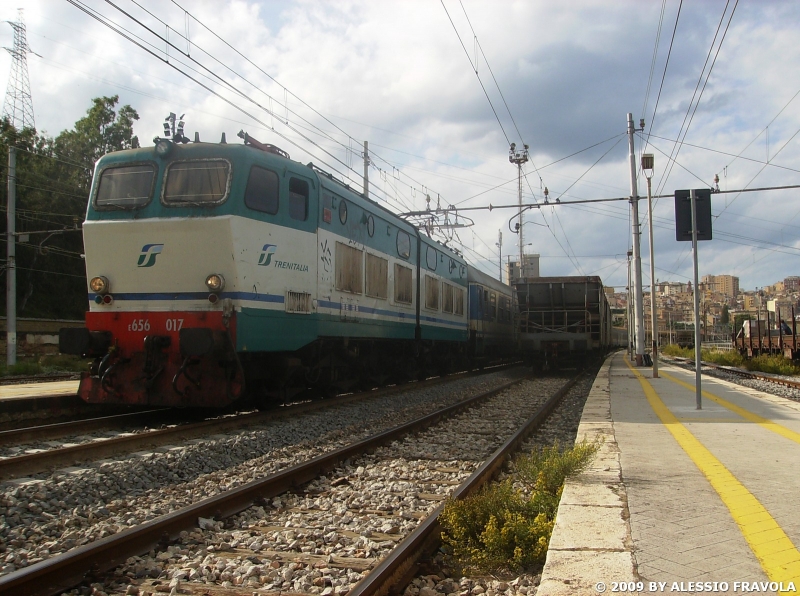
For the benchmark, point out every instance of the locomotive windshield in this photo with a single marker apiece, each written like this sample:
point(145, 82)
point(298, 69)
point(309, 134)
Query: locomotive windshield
point(200, 182)
point(125, 187)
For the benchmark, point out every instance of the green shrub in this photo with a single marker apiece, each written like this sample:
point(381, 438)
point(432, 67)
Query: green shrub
point(508, 528)
point(765, 363)
point(772, 364)
point(676, 350)
point(64, 363)
point(726, 358)
point(46, 364)
point(24, 367)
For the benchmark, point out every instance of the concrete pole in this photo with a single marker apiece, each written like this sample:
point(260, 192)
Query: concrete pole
point(521, 241)
point(697, 344)
point(654, 321)
point(366, 169)
point(11, 262)
point(500, 247)
point(637, 257)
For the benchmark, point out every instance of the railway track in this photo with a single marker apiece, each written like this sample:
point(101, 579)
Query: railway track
point(745, 374)
point(73, 506)
point(345, 468)
point(44, 454)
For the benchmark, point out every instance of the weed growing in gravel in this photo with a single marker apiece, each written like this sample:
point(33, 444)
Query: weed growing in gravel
point(507, 525)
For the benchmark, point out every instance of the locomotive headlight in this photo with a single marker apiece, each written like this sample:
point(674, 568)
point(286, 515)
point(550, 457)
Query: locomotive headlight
point(163, 147)
point(99, 285)
point(215, 282)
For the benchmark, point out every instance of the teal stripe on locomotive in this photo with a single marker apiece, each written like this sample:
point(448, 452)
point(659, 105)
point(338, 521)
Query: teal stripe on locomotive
point(262, 330)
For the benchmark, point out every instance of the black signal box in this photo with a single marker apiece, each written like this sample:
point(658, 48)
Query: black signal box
point(683, 214)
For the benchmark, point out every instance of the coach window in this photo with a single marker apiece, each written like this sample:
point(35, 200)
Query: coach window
point(458, 302)
point(371, 226)
point(197, 183)
point(403, 244)
point(342, 211)
point(262, 190)
point(403, 286)
point(447, 297)
point(377, 277)
point(298, 199)
point(431, 292)
point(349, 269)
point(430, 258)
point(493, 306)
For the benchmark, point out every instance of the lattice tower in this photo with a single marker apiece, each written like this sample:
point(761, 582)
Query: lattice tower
point(18, 105)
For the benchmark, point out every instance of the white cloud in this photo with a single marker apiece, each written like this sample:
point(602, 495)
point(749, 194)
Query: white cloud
point(395, 73)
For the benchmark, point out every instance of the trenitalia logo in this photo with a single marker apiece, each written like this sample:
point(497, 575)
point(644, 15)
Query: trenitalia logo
point(266, 254)
point(149, 254)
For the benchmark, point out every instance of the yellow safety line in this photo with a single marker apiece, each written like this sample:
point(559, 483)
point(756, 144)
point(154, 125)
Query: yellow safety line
point(770, 544)
point(747, 415)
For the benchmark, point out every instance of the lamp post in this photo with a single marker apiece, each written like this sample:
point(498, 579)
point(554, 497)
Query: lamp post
point(518, 158)
point(648, 161)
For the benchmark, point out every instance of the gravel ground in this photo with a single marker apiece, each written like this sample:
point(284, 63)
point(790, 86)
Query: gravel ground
point(52, 513)
point(765, 386)
point(561, 426)
point(324, 539)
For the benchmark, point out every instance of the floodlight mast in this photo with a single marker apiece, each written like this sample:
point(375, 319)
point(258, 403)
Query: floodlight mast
point(519, 158)
point(637, 258)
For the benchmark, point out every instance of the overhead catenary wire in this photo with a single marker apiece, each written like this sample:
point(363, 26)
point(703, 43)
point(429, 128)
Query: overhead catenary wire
point(171, 63)
point(350, 138)
point(677, 148)
point(664, 74)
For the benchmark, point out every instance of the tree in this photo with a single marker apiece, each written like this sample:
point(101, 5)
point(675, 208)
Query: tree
point(725, 318)
point(54, 177)
point(101, 131)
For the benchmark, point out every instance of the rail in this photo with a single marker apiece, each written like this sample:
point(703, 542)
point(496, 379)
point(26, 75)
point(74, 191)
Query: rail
point(395, 571)
point(62, 572)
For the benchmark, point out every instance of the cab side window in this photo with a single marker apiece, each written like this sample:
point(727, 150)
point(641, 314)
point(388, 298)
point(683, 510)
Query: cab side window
point(262, 191)
point(298, 199)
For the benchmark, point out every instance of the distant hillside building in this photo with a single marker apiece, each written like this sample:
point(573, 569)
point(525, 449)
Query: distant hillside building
point(724, 284)
point(792, 283)
point(671, 288)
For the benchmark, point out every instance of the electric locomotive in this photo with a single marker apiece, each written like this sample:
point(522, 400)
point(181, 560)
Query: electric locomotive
point(220, 271)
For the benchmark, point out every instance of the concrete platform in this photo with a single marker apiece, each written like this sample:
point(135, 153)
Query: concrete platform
point(679, 495)
point(44, 389)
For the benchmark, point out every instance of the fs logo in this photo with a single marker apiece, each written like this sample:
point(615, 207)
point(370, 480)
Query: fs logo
point(266, 254)
point(149, 254)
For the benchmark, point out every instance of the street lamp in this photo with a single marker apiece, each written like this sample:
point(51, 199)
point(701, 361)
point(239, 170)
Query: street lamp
point(648, 162)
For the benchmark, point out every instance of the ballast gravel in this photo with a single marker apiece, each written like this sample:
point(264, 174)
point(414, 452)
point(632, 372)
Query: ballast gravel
point(324, 538)
point(561, 427)
point(49, 514)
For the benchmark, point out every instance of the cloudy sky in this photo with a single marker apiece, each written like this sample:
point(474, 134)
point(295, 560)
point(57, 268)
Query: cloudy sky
point(319, 78)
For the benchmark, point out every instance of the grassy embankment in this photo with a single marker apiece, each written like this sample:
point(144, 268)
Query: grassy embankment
point(44, 364)
point(764, 363)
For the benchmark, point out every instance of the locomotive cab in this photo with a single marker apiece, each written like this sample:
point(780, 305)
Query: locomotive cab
point(177, 238)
